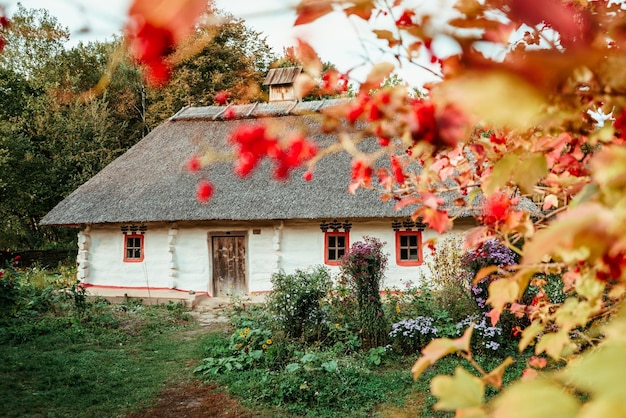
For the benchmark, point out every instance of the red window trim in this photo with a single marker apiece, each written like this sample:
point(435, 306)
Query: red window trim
point(141, 248)
point(420, 255)
point(336, 234)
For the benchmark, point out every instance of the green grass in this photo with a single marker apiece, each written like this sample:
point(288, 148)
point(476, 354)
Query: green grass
point(85, 370)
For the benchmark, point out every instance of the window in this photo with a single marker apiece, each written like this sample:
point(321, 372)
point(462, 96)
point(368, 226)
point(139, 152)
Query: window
point(409, 248)
point(133, 248)
point(335, 246)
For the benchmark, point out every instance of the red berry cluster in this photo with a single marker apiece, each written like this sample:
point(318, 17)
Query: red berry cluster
point(497, 209)
point(253, 142)
point(149, 46)
point(334, 83)
point(441, 128)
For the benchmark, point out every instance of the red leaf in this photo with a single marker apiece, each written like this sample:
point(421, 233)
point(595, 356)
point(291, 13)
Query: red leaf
point(310, 10)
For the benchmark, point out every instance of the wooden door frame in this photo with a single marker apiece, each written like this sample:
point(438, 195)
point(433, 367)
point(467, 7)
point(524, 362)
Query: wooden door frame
point(210, 255)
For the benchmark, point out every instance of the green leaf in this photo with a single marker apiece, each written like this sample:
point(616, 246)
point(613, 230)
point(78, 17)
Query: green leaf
point(330, 366)
point(292, 367)
point(529, 171)
point(463, 390)
point(537, 398)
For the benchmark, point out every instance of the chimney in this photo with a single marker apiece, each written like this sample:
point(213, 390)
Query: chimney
point(281, 82)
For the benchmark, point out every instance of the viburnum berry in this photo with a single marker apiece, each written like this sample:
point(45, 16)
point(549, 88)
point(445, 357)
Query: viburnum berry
point(383, 141)
point(308, 175)
point(149, 46)
point(396, 168)
point(405, 19)
point(204, 191)
point(221, 97)
point(193, 164)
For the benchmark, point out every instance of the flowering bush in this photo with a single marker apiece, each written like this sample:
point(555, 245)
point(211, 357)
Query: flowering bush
point(411, 335)
point(490, 253)
point(296, 301)
point(363, 267)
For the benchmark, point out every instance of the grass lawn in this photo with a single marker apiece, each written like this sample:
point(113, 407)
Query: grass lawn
point(67, 368)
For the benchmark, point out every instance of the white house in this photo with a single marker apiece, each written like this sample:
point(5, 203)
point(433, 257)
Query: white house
point(140, 225)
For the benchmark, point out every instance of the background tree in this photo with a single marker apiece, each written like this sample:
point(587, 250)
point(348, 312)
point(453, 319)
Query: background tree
point(232, 61)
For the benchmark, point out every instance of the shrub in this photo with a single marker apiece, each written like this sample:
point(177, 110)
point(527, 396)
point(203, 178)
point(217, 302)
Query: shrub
point(411, 335)
point(364, 267)
point(9, 290)
point(491, 253)
point(296, 302)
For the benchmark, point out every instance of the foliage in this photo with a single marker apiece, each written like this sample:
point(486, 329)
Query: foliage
point(363, 268)
point(489, 253)
point(296, 299)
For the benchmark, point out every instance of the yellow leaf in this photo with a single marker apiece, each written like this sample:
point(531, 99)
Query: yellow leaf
point(501, 174)
point(481, 93)
point(573, 313)
point(580, 232)
point(600, 372)
point(440, 348)
point(609, 167)
point(529, 171)
point(484, 272)
point(589, 287)
point(605, 408)
point(529, 334)
point(494, 378)
point(463, 390)
point(550, 201)
point(553, 344)
point(501, 292)
point(536, 398)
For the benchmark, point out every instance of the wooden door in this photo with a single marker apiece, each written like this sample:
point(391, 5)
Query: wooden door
point(229, 265)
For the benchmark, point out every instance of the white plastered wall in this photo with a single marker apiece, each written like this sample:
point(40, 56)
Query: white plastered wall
point(177, 255)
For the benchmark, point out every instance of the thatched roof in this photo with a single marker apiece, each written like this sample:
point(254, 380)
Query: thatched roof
point(149, 182)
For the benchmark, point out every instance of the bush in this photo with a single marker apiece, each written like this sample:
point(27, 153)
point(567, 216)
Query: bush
point(364, 268)
point(296, 302)
point(9, 290)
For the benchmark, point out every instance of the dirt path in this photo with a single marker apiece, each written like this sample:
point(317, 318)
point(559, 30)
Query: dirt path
point(196, 399)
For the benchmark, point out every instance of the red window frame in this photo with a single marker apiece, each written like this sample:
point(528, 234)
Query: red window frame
point(407, 247)
point(335, 247)
point(133, 251)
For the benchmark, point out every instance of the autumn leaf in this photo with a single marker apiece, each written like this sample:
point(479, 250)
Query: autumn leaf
point(309, 58)
point(501, 293)
point(388, 36)
point(500, 174)
point(481, 94)
point(494, 377)
point(553, 344)
point(439, 348)
point(376, 76)
point(529, 171)
point(536, 398)
point(177, 16)
point(529, 334)
point(362, 9)
point(308, 11)
point(463, 390)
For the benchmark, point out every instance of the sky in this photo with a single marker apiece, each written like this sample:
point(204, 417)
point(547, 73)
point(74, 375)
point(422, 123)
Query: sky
point(347, 43)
